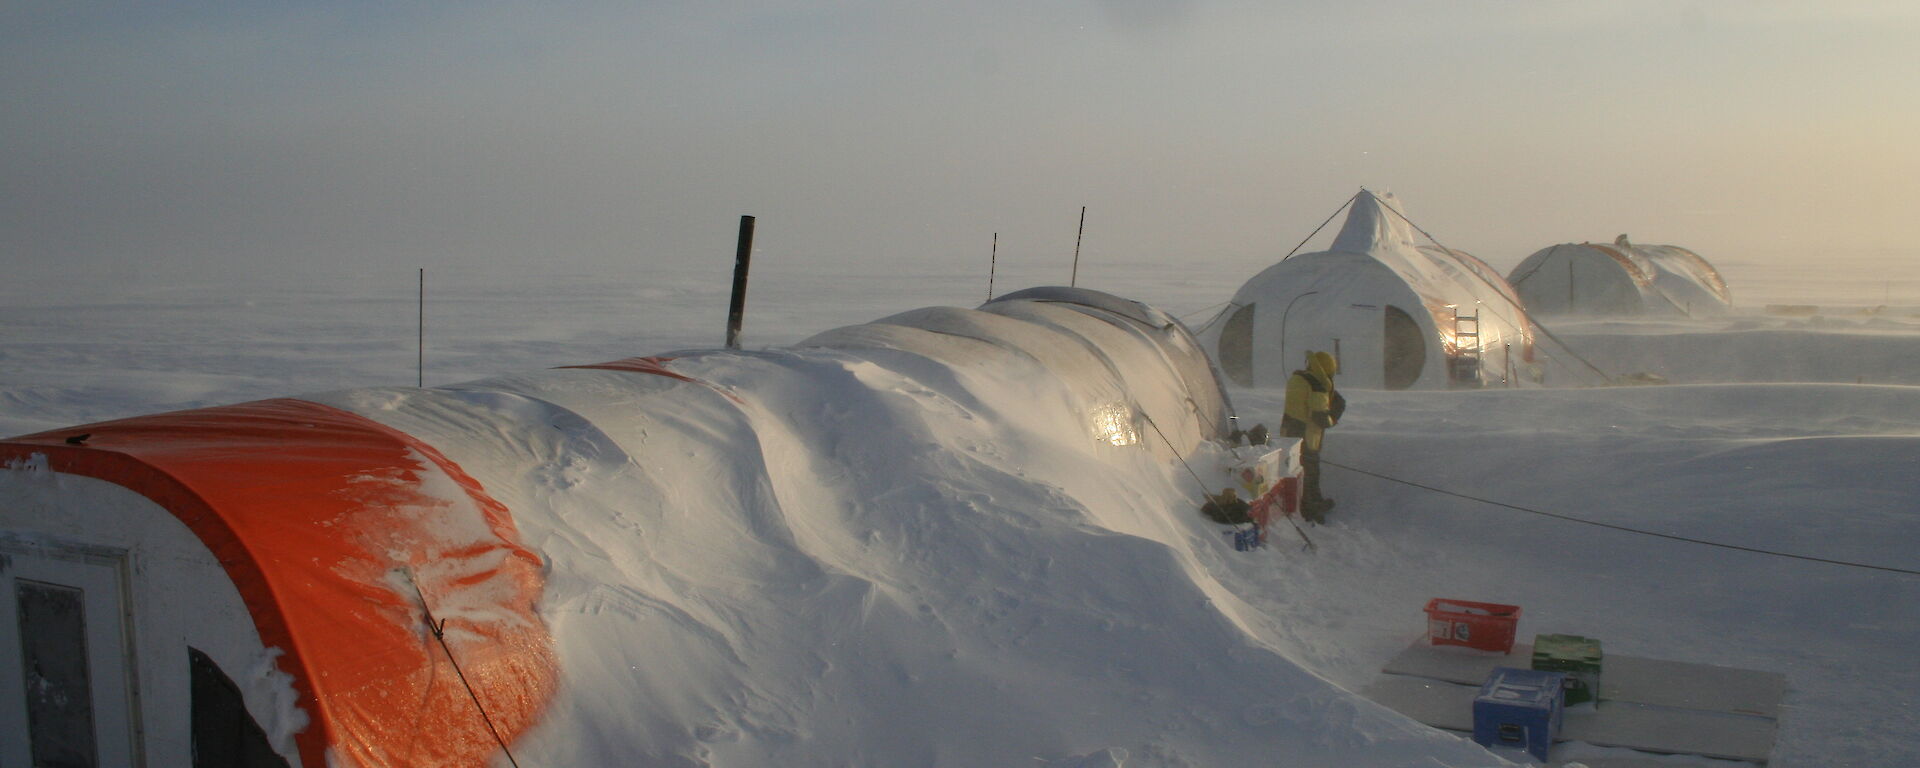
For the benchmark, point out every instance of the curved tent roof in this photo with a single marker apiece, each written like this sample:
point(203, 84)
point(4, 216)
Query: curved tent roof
point(1620, 278)
point(1124, 362)
point(340, 534)
point(1400, 314)
point(1170, 379)
point(546, 521)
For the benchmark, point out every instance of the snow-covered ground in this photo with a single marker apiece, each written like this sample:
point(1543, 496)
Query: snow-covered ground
point(1778, 431)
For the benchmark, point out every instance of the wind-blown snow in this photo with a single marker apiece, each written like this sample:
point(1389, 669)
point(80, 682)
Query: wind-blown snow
point(871, 557)
point(877, 562)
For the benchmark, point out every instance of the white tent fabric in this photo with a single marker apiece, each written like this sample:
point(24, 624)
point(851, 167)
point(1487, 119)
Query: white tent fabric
point(1620, 278)
point(1135, 373)
point(1399, 314)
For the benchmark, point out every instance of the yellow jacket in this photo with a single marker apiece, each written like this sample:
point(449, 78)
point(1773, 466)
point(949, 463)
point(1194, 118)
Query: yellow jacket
point(1312, 402)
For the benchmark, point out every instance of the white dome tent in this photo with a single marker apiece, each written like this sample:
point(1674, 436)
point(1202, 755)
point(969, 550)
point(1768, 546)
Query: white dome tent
point(1621, 278)
point(1400, 315)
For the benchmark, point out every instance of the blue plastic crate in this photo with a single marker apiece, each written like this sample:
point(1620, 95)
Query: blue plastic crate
point(1519, 709)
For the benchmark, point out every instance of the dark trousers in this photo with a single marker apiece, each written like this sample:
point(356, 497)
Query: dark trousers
point(1310, 497)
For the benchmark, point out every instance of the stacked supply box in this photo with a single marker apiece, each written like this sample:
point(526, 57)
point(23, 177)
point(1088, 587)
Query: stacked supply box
point(1578, 657)
point(1270, 479)
point(1481, 626)
point(1519, 709)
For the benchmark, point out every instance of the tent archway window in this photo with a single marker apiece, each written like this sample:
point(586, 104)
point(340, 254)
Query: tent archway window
point(1236, 346)
point(1405, 348)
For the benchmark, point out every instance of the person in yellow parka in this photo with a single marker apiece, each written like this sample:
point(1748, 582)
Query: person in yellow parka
point(1312, 405)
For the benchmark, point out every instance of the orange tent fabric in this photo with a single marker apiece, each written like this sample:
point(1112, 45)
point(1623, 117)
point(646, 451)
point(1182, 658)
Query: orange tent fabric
point(335, 529)
point(656, 366)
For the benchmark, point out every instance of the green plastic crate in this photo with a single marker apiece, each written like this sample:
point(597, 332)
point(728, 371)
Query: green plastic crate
point(1577, 656)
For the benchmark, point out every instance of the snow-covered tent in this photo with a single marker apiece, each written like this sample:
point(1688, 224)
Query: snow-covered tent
point(248, 581)
point(1621, 278)
point(1399, 314)
point(557, 560)
point(1125, 363)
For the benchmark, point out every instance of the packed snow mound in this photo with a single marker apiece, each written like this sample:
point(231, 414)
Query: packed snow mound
point(920, 541)
point(949, 537)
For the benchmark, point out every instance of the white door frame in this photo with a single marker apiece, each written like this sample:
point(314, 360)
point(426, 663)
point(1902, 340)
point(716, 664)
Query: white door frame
point(101, 574)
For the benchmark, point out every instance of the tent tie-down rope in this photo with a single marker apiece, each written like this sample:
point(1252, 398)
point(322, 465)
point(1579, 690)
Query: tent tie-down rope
point(1537, 267)
point(438, 628)
point(1205, 491)
point(1483, 278)
point(1643, 532)
point(1204, 310)
point(1230, 305)
point(1323, 225)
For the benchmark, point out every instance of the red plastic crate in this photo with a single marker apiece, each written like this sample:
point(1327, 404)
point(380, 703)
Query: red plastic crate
point(1283, 500)
point(1482, 626)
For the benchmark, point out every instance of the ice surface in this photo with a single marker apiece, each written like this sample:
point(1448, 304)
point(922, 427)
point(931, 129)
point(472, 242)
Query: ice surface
point(905, 573)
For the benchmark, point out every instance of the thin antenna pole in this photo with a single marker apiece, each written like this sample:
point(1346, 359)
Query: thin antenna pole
point(420, 363)
point(993, 261)
point(1074, 279)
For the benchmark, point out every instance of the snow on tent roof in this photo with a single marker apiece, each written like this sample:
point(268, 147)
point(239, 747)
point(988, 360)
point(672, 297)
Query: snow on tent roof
point(327, 523)
point(577, 527)
point(1175, 343)
point(1619, 278)
point(1087, 297)
point(1122, 359)
point(1400, 313)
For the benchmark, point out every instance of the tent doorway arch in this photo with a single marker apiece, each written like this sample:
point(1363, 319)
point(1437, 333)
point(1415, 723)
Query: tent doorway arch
point(1405, 349)
point(1236, 346)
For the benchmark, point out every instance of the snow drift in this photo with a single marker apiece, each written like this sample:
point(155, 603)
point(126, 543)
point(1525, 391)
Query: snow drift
point(943, 538)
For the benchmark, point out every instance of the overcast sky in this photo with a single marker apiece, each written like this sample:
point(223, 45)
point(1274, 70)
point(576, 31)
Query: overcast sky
point(263, 135)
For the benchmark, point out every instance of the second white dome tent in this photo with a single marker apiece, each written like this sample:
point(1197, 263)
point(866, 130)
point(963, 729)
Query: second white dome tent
point(1620, 278)
point(1399, 314)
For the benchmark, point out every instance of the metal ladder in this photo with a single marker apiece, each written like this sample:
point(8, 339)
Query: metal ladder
point(1464, 367)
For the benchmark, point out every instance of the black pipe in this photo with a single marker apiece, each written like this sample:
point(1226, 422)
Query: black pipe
point(737, 311)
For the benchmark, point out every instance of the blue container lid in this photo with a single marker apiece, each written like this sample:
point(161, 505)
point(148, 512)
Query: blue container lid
point(1521, 687)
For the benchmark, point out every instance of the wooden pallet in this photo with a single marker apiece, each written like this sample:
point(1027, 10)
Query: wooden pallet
point(1651, 705)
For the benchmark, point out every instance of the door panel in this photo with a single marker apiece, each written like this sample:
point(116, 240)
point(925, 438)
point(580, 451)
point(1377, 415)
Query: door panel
point(1405, 348)
point(65, 676)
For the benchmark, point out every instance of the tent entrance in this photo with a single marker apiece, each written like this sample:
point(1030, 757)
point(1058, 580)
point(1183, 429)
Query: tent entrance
point(1405, 349)
point(1236, 346)
point(66, 680)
